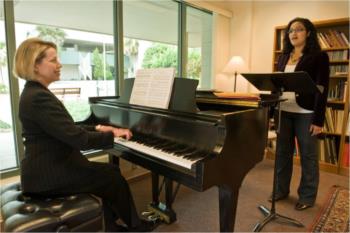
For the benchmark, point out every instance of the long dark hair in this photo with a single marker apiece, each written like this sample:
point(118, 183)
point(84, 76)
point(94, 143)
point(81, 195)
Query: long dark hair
point(311, 46)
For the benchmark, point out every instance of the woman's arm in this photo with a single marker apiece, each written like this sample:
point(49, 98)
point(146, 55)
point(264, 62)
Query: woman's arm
point(55, 121)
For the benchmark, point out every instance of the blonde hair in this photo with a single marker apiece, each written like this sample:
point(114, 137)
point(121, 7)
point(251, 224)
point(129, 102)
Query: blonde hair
point(28, 54)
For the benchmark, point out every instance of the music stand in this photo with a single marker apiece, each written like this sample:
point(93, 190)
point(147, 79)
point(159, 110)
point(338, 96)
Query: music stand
point(299, 82)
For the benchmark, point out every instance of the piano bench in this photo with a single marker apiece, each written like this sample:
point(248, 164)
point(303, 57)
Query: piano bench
point(81, 212)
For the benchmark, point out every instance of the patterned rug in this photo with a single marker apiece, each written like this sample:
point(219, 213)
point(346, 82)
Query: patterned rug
point(334, 215)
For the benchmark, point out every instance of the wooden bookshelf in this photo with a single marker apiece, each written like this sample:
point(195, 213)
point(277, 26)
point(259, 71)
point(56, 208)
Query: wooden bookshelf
point(334, 39)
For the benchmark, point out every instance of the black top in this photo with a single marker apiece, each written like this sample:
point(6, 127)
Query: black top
point(53, 142)
point(317, 66)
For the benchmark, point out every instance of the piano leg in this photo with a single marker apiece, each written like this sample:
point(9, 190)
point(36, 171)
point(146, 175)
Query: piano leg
point(227, 207)
point(158, 210)
point(155, 189)
point(169, 193)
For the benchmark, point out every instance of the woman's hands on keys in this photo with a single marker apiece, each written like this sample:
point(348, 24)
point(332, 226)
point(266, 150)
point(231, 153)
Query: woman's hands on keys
point(118, 132)
point(124, 133)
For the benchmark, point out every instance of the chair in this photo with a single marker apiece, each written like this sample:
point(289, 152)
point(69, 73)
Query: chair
point(77, 213)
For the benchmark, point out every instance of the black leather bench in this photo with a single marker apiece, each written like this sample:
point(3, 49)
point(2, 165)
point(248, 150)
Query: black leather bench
point(81, 212)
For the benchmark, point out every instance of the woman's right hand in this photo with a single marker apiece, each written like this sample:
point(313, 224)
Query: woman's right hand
point(120, 132)
point(117, 132)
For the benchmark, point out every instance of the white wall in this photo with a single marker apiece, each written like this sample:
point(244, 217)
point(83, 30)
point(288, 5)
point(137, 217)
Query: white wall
point(252, 27)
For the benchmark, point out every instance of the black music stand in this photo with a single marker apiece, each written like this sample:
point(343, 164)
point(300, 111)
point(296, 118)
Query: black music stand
point(299, 82)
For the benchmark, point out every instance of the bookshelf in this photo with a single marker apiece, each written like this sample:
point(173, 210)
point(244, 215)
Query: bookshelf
point(333, 36)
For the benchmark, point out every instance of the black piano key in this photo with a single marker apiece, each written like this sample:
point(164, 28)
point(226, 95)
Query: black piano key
point(169, 148)
point(180, 150)
point(162, 144)
point(198, 154)
point(183, 150)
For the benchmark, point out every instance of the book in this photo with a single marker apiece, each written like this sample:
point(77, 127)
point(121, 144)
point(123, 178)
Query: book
point(346, 155)
point(153, 87)
point(236, 95)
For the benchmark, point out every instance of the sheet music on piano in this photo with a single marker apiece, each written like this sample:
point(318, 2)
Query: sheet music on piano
point(153, 87)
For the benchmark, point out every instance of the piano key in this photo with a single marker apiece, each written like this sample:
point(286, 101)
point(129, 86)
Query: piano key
point(157, 153)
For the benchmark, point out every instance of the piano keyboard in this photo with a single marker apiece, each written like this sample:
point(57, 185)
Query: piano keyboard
point(180, 155)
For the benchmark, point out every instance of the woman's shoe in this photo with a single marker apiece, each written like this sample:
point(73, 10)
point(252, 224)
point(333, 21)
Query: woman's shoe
point(279, 197)
point(300, 206)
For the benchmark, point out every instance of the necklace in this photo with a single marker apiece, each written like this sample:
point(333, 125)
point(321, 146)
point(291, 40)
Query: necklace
point(294, 60)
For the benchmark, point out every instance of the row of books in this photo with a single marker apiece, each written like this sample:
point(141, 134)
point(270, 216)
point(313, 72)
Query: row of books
point(333, 120)
point(339, 70)
point(346, 155)
point(327, 150)
point(338, 55)
point(332, 39)
point(347, 133)
point(327, 39)
point(337, 91)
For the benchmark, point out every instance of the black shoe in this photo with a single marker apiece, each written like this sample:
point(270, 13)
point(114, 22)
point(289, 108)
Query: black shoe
point(278, 197)
point(144, 226)
point(300, 206)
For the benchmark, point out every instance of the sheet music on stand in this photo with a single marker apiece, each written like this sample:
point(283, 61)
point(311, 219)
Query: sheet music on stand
point(153, 87)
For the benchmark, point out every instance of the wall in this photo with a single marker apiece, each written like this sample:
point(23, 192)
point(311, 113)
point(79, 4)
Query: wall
point(252, 27)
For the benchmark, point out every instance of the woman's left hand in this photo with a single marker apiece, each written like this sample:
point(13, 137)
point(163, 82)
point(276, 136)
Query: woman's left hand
point(314, 130)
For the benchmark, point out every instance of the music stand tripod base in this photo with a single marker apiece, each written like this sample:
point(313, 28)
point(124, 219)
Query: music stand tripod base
point(271, 216)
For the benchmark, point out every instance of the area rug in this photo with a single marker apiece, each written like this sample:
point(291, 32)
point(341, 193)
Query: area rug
point(334, 215)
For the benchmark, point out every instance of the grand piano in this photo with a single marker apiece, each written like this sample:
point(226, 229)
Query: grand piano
point(201, 141)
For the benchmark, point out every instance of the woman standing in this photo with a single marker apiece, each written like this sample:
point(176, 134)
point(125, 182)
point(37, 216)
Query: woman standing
point(302, 115)
point(53, 164)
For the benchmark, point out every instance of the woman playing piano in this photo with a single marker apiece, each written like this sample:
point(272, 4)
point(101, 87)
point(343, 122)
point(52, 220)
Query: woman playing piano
point(53, 164)
point(302, 115)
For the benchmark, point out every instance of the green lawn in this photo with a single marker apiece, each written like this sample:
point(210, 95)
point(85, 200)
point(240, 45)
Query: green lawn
point(4, 125)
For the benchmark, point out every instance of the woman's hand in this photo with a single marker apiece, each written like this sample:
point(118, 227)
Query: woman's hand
point(314, 130)
point(125, 133)
point(118, 132)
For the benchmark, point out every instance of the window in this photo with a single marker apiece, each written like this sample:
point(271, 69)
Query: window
point(8, 158)
point(199, 42)
point(150, 35)
point(84, 36)
point(84, 32)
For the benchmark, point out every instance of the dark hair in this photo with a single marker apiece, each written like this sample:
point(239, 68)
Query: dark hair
point(311, 45)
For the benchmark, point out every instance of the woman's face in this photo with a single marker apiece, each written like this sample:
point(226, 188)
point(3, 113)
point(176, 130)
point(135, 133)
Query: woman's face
point(297, 34)
point(48, 70)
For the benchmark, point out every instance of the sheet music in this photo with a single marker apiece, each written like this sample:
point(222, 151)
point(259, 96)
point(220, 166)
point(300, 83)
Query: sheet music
point(153, 87)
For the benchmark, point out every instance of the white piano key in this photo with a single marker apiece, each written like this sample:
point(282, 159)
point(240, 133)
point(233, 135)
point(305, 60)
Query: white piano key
point(169, 157)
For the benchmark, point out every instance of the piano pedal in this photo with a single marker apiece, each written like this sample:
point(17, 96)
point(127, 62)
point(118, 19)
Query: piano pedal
point(155, 218)
point(160, 215)
point(152, 216)
point(147, 213)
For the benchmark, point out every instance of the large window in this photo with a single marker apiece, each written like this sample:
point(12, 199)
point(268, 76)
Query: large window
point(150, 35)
point(8, 157)
point(84, 32)
point(85, 47)
point(199, 42)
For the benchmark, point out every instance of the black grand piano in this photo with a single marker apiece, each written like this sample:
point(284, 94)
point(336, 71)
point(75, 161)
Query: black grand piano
point(200, 142)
